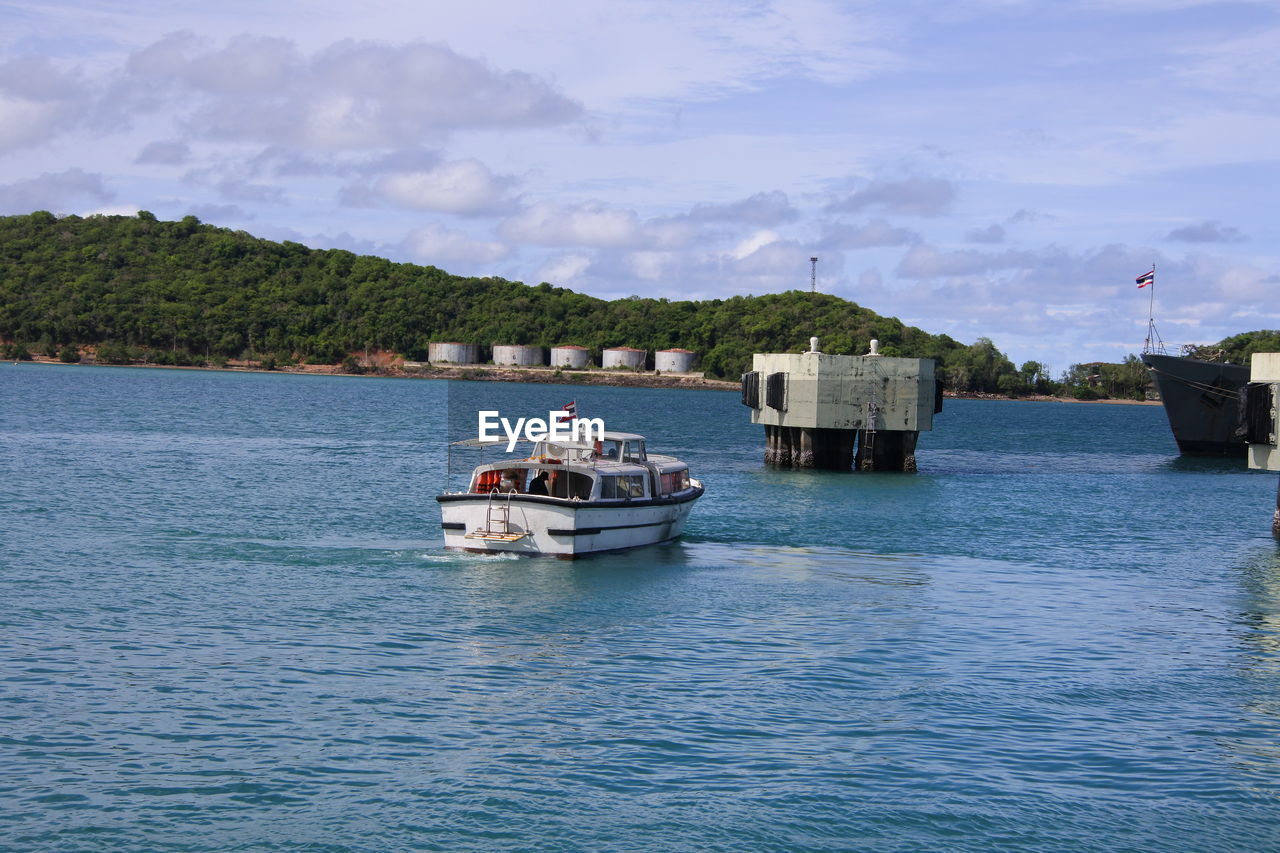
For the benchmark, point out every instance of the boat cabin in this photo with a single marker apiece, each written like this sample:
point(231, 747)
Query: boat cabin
point(616, 468)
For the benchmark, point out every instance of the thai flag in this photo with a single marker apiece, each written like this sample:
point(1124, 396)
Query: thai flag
point(567, 413)
point(1146, 278)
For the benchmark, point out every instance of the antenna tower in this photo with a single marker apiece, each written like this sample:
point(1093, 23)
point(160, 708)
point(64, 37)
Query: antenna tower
point(813, 274)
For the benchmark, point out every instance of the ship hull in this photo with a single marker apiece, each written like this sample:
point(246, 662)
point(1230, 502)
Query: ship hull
point(1200, 400)
point(561, 528)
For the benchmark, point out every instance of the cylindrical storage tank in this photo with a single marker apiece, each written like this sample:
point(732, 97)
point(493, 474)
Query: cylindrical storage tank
point(673, 361)
point(570, 355)
point(520, 355)
point(453, 353)
point(623, 357)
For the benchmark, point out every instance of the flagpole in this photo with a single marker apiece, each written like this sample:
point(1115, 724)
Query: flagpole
point(1151, 307)
point(1153, 344)
point(1151, 310)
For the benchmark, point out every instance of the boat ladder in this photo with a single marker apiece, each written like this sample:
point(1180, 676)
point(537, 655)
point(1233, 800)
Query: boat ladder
point(497, 521)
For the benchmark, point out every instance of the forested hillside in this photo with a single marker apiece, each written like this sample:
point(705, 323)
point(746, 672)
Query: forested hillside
point(189, 292)
point(1240, 348)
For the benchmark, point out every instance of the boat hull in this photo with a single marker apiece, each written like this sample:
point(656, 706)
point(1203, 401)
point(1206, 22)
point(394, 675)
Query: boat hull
point(562, 528)
point(1200, 401)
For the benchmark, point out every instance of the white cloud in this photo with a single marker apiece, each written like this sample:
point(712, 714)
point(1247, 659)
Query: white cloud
point(72, 190)
point(993, 233)
point(434, 244)
point(877, 232)
point(914, 196)
point(235, 189)
point(171, 153)
point(675, 233)
point(588, 224)
point(462, 186)
point(1206, 232)
point(24, 122)
point(765, 208)
point(564, 270)
point(351, 95)
point(1245, 64)
point(653, 266)
point(926, 261)
point(774, 265)
point(37, 102)
point(752, 243)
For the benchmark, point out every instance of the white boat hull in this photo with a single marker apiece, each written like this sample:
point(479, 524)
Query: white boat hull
point(536, 525)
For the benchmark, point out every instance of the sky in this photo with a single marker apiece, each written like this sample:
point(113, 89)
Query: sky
point(992, 168)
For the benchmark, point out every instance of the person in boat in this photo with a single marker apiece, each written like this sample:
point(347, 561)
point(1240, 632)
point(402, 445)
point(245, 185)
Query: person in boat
point(508, 483)
point(538, 486)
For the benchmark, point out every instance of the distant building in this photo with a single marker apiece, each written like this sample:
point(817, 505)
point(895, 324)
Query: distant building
point(674, 360)
point(453, 353)
point(628, 357)
point(520, 355)
point(570, 355)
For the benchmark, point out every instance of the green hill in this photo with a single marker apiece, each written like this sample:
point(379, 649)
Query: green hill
point(1239, 349)
point(191, 293)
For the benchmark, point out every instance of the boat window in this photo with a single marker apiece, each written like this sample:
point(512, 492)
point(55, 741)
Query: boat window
point(676, 481)
point(486, 481)
point(570, 484)
point(622, 486)
point(633, 451)
point(512, 480)
point(504, 480)
point(609, 449)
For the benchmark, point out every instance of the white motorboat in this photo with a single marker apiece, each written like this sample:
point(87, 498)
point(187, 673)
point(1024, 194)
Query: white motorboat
point(569, 498)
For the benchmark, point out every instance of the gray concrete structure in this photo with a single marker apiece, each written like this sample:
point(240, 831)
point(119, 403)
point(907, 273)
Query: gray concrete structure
point(520, 355)
point(1262, 419)
point(570, 355)
point(816, 407)
point(674, 361)
point(453, 353)
point(628, 357)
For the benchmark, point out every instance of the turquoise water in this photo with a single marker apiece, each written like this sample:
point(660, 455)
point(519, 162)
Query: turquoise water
point(229, 624)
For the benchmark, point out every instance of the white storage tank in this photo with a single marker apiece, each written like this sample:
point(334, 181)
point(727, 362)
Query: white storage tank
point(628, 357)
point(453, 353)
point(673, 361)
point(570, 355)
point(520, 355)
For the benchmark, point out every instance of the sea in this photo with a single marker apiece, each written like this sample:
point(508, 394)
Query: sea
point(228, 623)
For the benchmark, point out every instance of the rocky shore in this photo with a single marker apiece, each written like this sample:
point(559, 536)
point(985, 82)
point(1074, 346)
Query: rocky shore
point(549, 375)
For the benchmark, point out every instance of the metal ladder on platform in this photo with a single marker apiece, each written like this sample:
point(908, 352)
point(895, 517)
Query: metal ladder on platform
point(497, 521)
point(869, 436)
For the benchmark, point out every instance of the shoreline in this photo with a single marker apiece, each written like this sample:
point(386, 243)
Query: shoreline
point(549, 376)
point(470, 372)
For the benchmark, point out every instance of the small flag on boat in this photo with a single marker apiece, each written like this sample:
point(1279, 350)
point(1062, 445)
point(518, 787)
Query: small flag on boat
point(1146, 278)
point(567, 413)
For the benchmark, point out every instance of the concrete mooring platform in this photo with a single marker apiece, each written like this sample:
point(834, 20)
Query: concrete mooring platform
point(838, 412)
point(1260, 420)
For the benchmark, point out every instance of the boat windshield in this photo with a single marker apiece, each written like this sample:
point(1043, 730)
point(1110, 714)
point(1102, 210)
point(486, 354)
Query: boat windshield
point(621, 450)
